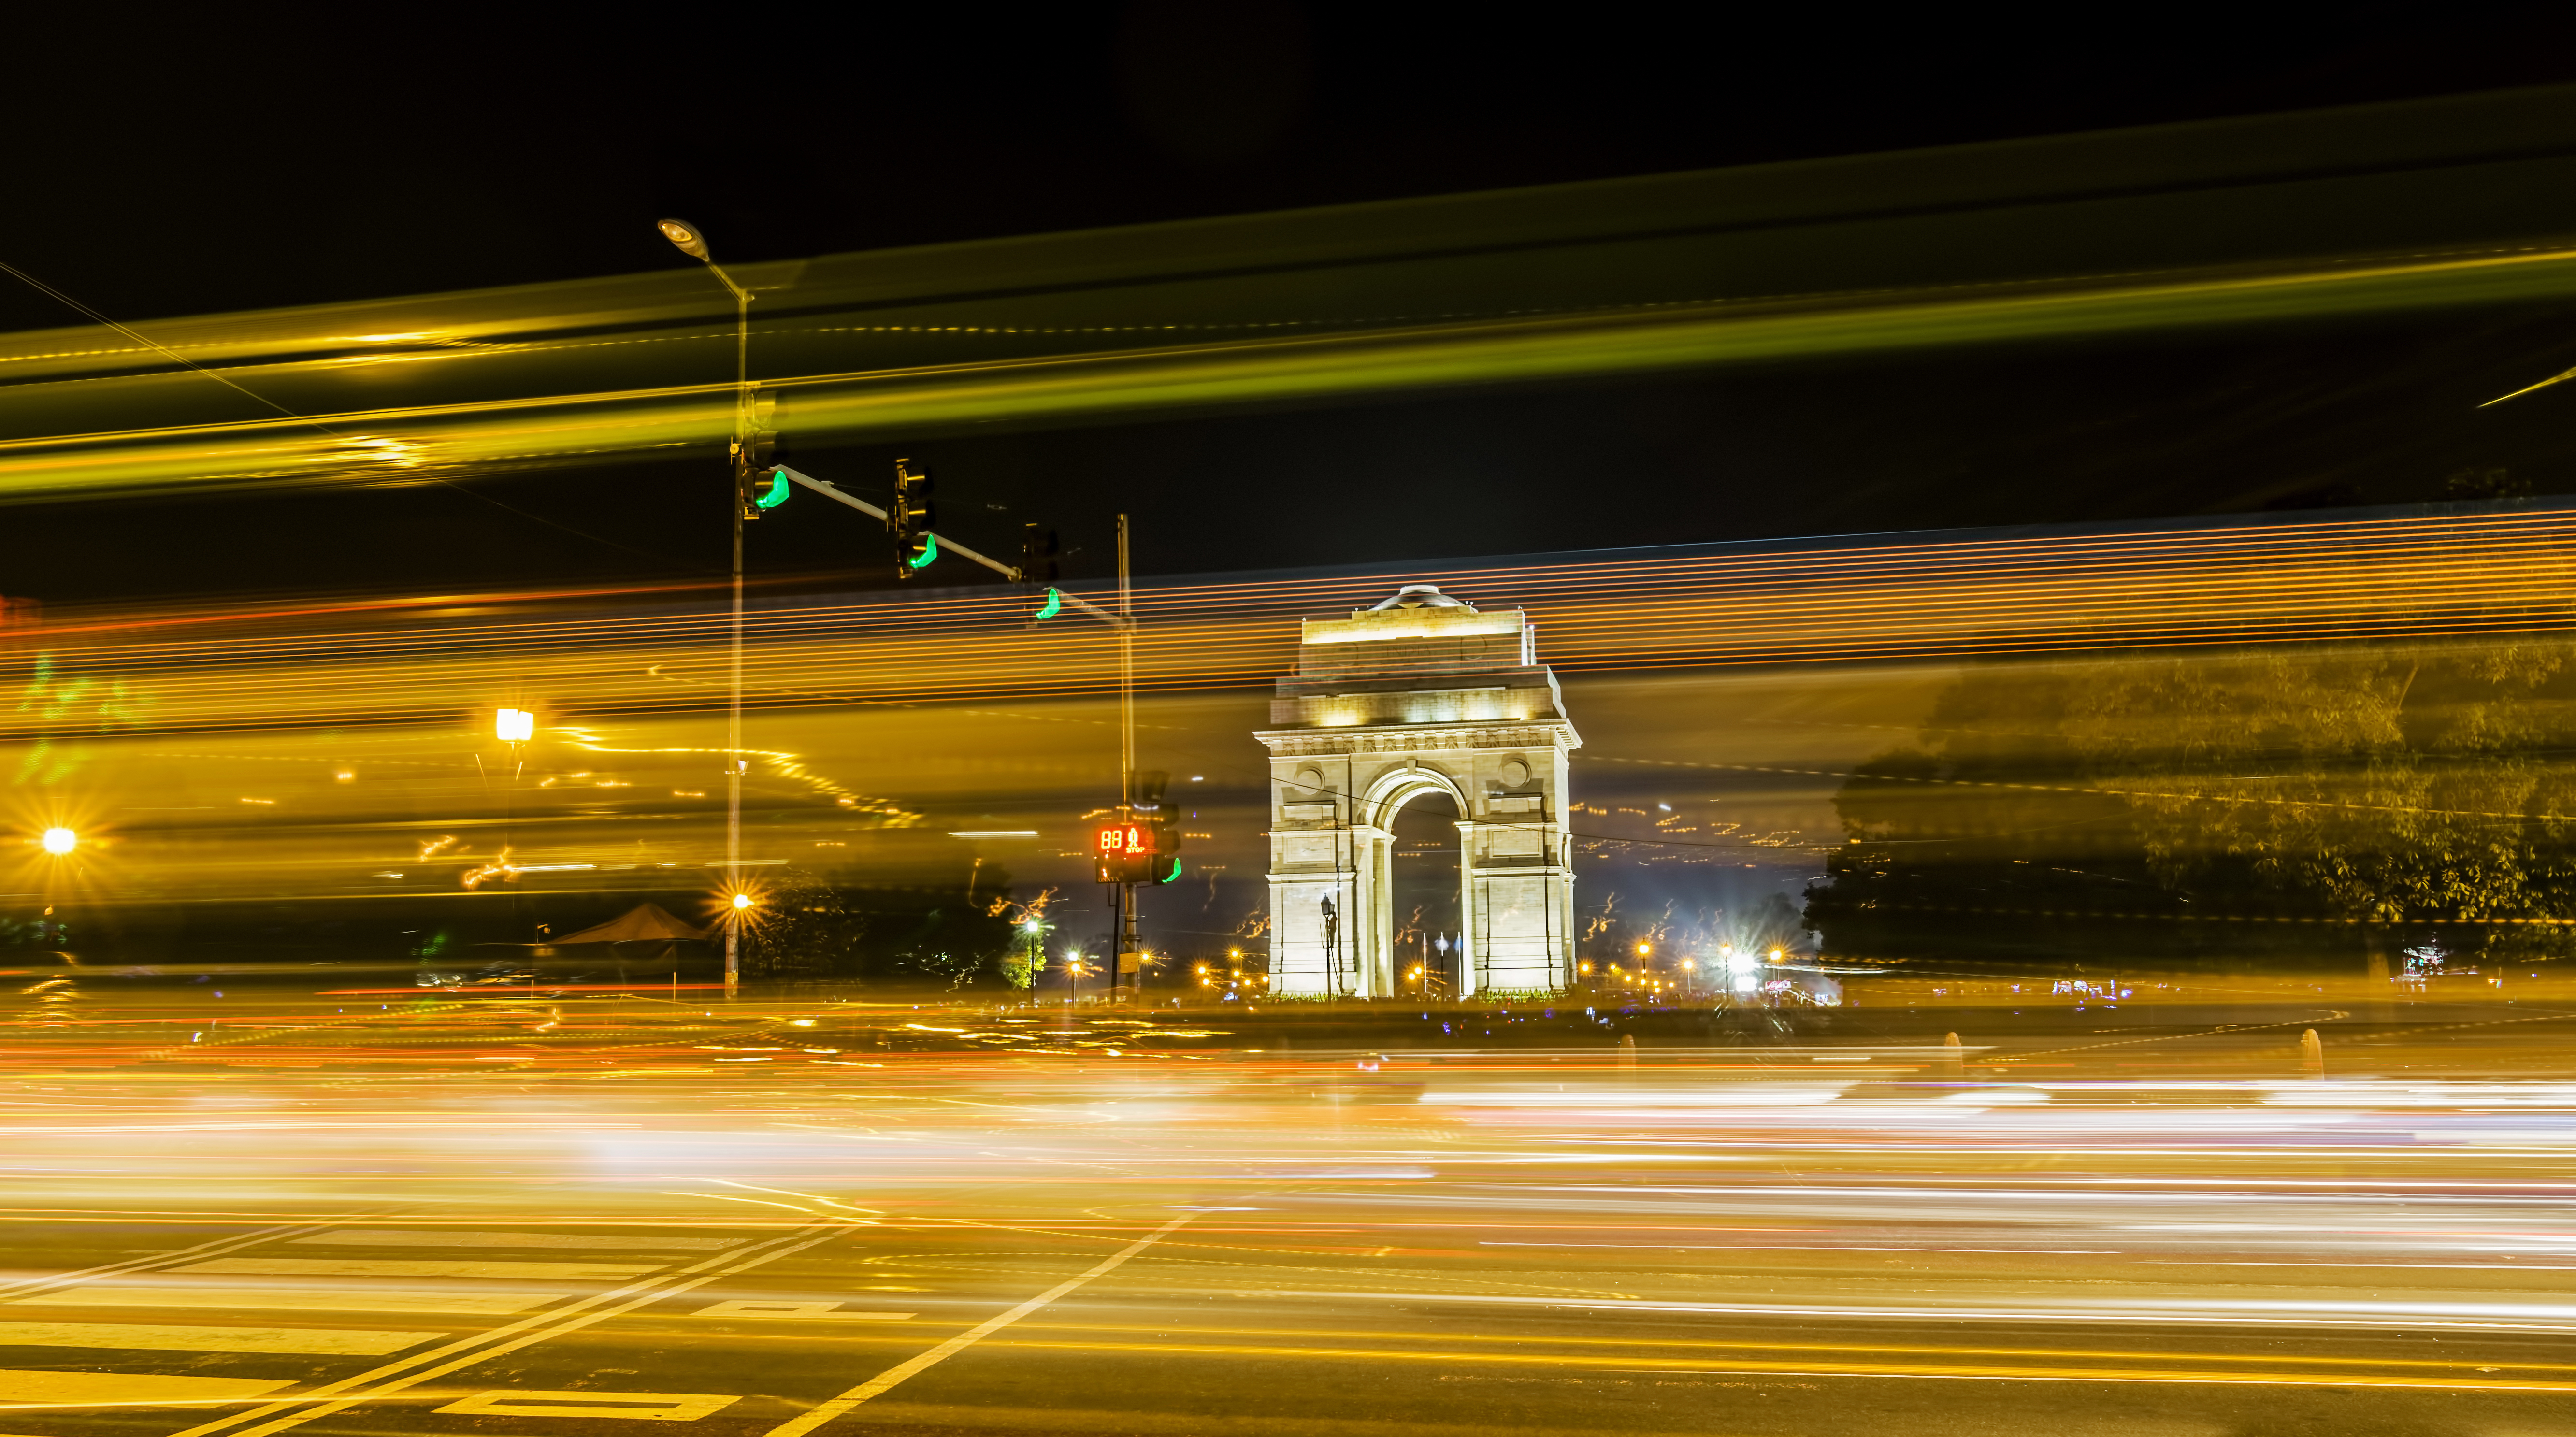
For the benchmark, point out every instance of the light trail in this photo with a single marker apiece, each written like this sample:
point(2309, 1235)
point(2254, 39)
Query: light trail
point(1020, 381)
point(2413, 579)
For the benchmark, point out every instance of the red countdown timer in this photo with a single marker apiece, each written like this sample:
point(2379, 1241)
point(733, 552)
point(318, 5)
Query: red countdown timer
point(1124, 840)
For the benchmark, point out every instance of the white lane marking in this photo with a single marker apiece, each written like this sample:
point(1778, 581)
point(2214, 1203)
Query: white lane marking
point(399, 1376)
point(432, 1237)
point(411, 1267)
point(335, 1341)
point(288, 1299)
point(644, 1406)
point(825, 1311)
point(883, 1381)
point(225, 1244)
point(127, 1389)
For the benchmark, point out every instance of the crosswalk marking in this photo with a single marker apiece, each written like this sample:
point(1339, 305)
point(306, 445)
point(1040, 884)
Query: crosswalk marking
point(127, 1389)
point(404, 1373)
point(410, 1267)
point(418, 1237)
point(328, 1341)
point(234, 1243)
point(647, 1406)
point(290, 1299)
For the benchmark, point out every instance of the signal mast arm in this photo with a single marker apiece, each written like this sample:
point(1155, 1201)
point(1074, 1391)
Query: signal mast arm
point(834, 492)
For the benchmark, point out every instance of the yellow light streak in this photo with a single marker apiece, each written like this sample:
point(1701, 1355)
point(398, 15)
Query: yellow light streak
point(2461, 1377)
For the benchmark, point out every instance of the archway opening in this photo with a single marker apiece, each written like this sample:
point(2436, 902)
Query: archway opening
point(1422, 884)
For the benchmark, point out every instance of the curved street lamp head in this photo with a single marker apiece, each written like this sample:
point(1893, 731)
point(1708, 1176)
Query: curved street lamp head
point(687, 236)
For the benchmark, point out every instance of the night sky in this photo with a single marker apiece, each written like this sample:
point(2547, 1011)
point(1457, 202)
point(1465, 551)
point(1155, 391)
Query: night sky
point(223, 161)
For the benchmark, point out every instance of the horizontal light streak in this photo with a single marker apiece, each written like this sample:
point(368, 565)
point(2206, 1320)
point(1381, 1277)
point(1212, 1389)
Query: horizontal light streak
point(2447, 1317)
point(1928, 599)
point(402, 443)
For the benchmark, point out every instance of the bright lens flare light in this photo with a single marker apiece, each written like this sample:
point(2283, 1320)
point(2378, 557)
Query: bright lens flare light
point(741, 901)
point(60, 841)
point(514, 725)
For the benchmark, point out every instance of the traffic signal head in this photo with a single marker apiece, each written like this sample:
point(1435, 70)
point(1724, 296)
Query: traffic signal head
point(1160, 822)
point(910, 518)
point(1037, 555)
point(757, 484)
point(1124, 852)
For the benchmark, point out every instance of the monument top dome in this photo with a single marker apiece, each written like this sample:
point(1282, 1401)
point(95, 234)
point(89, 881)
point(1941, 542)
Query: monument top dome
point(1420, 596)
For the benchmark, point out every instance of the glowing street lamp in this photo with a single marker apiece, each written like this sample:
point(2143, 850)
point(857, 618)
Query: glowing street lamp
point(514, 725)
point(741, 901)
point(59, 841)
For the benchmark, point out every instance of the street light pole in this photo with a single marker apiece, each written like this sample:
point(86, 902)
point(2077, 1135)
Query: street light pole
point(693, 243)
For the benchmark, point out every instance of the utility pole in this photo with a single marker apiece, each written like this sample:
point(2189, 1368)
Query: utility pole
point(1129, 951)
point(693, 243)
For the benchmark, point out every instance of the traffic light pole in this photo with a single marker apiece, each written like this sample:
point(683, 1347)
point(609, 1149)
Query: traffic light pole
point(1128, 948)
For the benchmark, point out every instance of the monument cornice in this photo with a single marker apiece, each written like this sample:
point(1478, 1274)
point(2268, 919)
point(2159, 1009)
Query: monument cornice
point(1356, 739)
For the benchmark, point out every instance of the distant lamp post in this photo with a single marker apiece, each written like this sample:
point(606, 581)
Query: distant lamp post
point(692, 241)
point(514, 725)
point(741, 901)
point(60, 841)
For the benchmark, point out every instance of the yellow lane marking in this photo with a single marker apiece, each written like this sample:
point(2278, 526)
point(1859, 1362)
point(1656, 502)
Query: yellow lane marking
point(412, 1267)
point(431, 1237)
point(126, 1389)
point(1601, 1361)
point(1700, 1344)
point(824, 1311)
point(284, 1299)
point(409, 1372)
point(647, 1406)
point(330, 1340)
point(892, 1376)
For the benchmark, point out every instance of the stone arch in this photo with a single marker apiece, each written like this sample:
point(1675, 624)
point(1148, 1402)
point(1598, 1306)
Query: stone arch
point(1399, 786)
point(1379, 967)
point(1421, 694)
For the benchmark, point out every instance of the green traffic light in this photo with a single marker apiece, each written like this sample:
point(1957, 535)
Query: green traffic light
point(1054, 606)
point(777, 494)
point(929, 551)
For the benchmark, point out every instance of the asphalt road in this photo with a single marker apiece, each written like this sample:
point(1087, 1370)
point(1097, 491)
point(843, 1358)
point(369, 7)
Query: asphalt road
point(782, 1220)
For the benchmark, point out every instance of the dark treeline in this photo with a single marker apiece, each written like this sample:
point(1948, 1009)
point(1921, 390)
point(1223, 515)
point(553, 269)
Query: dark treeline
point(2354, 808)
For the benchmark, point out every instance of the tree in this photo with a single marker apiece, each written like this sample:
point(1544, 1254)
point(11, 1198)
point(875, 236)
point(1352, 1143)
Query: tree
point(1026, 957)
point(803, 927)
point(2319, 799)
point(958, 940)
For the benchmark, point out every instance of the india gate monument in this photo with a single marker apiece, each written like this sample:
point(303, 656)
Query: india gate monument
point(1422, 694)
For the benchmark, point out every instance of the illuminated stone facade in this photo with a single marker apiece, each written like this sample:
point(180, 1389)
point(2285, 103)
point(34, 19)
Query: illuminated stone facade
point(1421, 694)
